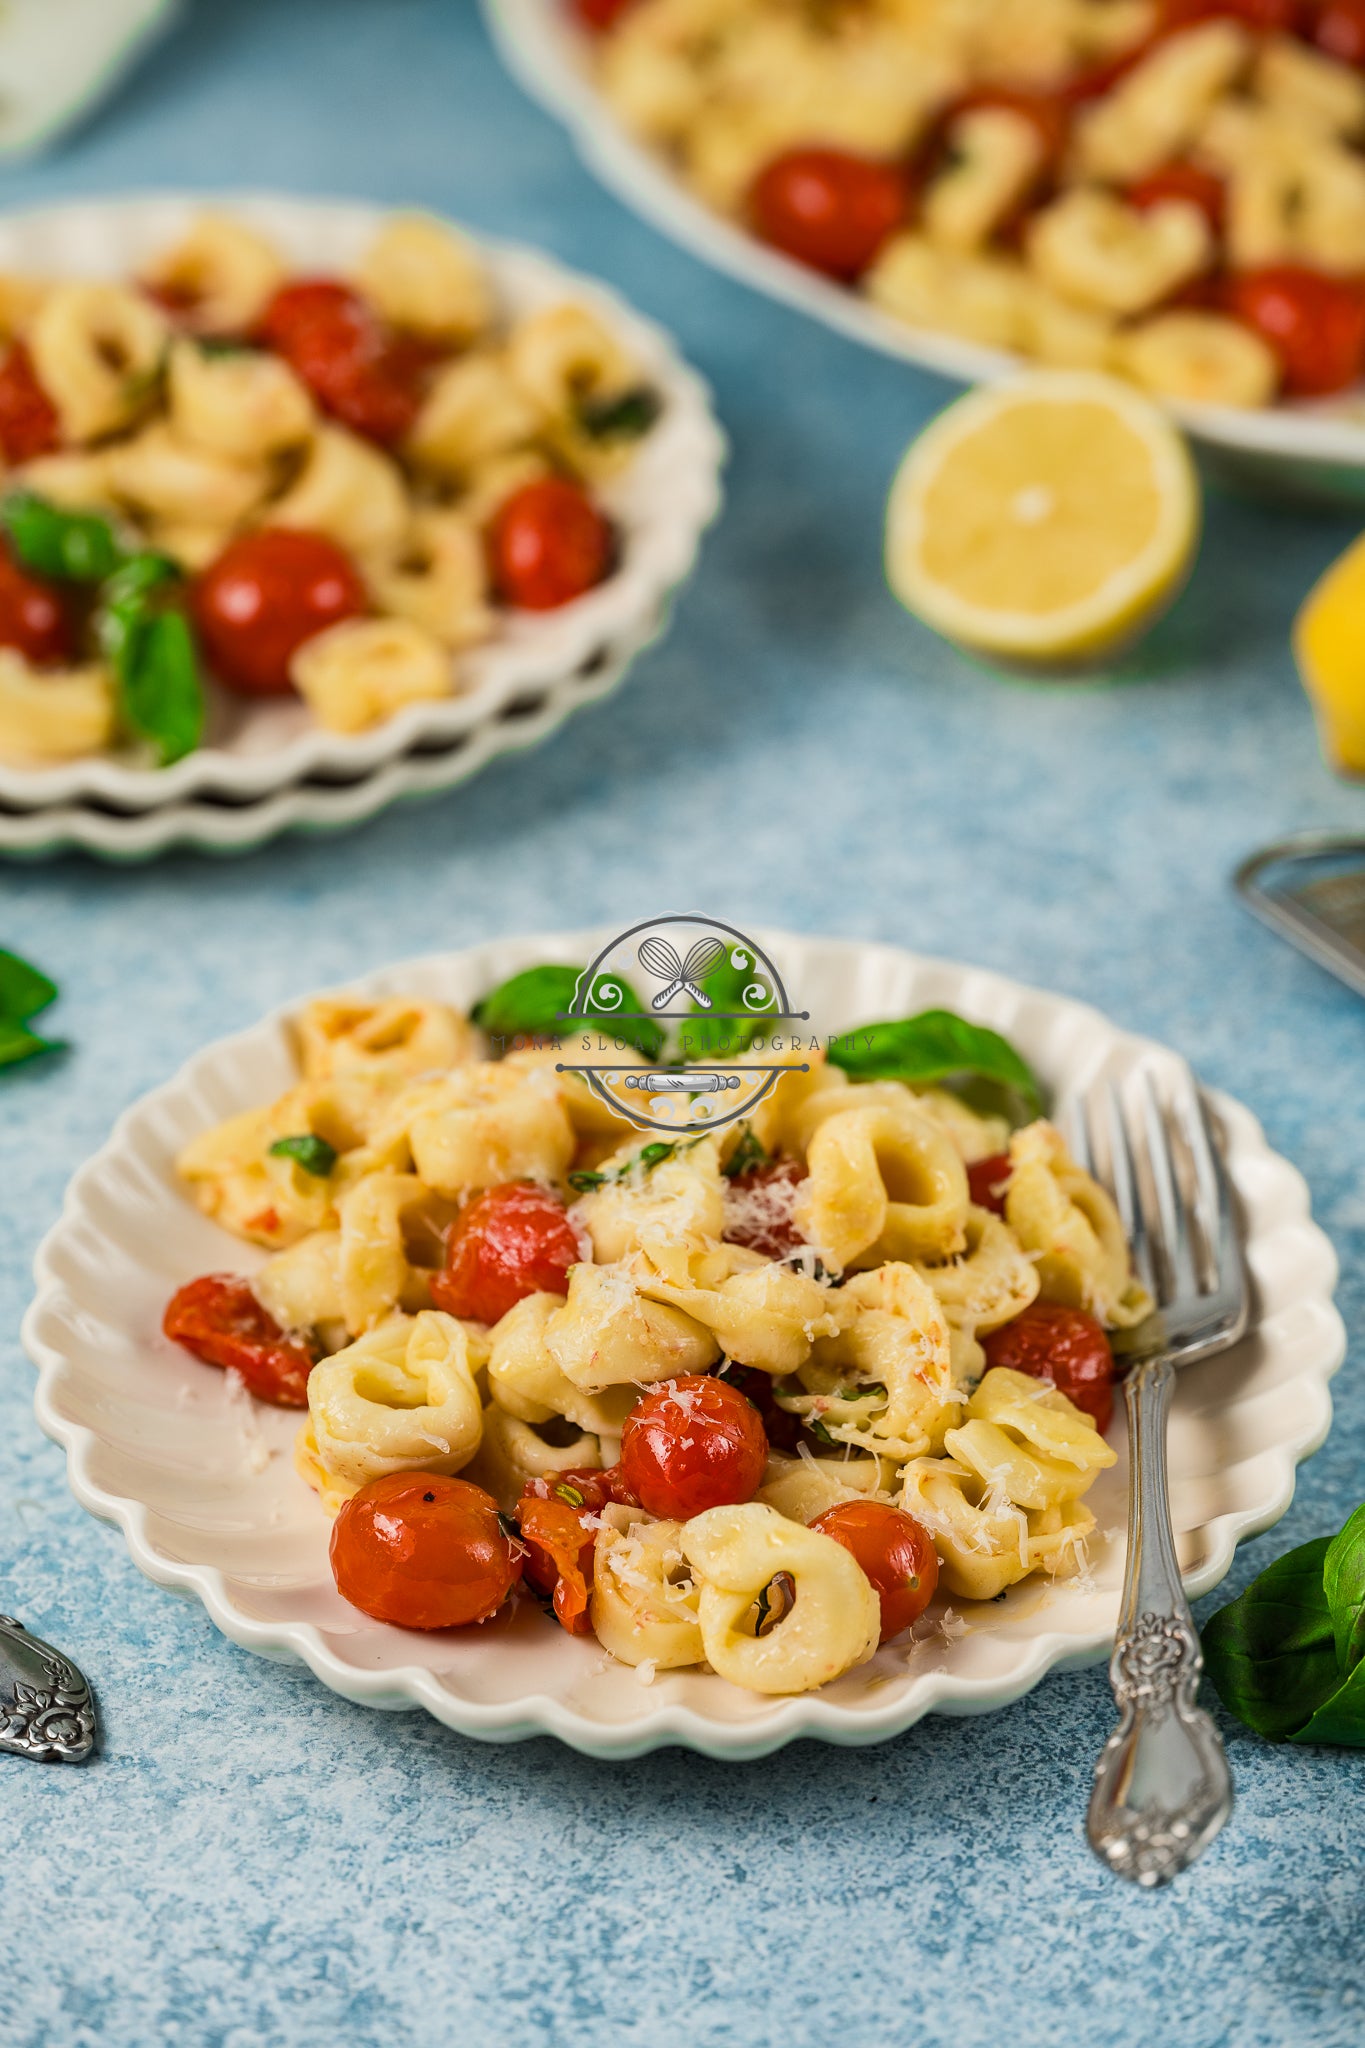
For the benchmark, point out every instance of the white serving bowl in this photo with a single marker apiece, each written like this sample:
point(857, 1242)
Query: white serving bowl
point(206, 1494)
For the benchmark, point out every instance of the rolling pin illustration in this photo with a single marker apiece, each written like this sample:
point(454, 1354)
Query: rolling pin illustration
point(683, 1084)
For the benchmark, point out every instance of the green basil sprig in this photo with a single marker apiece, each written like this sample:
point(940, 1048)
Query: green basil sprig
point(748, 1153)
point(627, 417)
point(69, 547)
point(151, 650)
point(24, 991)
point(540, 1003)
point(646, 1159)
point(1287, 1656)
point(312, 1153)
point(938, 1045)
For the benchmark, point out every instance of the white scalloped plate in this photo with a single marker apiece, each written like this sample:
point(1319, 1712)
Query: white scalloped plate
point(1317, 447)
point(317, 806)
point(205, 1491)
point(662, 504)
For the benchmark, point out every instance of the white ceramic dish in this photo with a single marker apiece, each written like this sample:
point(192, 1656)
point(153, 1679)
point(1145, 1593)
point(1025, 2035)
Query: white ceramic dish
point(56, 61)
point(207, 1497)
point(1319, 447)
point(662, 504)
point(316, 806)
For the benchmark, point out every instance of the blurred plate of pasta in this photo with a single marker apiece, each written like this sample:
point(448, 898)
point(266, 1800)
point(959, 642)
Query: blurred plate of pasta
point(315, 804)
point(227, 1498)
point(295, 488)
point(1107, 186)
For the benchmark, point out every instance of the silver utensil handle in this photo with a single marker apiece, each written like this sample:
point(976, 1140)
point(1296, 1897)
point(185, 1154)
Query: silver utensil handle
point(1162, 1786)
point(46, 1711)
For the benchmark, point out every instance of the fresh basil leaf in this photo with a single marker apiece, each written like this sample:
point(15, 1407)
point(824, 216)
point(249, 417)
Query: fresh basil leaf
point(1340, 1720)
point(540, 1003)
point(936, 1045)
point(1270, 1653)
point(160, 694)
point(583, 1182)
point(73, 547)
point(739, 1023)
point(18, 1043)
point(313, 1154)
point(748, 1153)
point(817, 1429)
point(624, 418)
point(572, 1496)
point(24, 989)
point(1343, 1583)
point(511, 1529)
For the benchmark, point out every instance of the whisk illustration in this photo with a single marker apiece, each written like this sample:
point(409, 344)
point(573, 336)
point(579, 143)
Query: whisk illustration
point(682, 976)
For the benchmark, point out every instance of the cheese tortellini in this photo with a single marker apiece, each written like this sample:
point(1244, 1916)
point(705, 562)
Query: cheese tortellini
point(845, 1291)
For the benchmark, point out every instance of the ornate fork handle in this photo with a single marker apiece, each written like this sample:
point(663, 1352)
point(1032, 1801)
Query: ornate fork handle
point(46, 1711)
point(1162, 1787)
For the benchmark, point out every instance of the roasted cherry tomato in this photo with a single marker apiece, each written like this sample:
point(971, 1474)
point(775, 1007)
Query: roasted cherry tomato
point(1181, 181)
point(423, 1550)
point(895, 1553)
point(1064, 1346)
point(600, 15)
point(1338, 29)
point(265, 595)
point(506, 1243)
point(1314, 323)
point(219, 1319)
point(986, 1181)
point(547, 545)
point(828, 208)
point(559, 1549)
point(28, 419)
point(691, 1444)
point(367, 378)
point(758, 1213)
point(33, 617)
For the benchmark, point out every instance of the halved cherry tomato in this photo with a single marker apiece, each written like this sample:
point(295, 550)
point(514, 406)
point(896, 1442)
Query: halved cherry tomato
point(693, 1443)
point(548, 544)
point(1064, 1346)
point(506, 1243)
point(559, 1550)
point(986, 1180)
point(1314, 323)
point(828, 208)
point(759, 1213)
point(29, 426)
point(1181, 181)
point(599, 15)
point(265, 595)
point(219, 1319)
point(895, 1552)
point(367, 378)
point(1338, 29)
point(422, 1550)
point(33, 616)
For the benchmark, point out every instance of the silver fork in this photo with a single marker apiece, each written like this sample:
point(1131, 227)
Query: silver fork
point(1162, 1786)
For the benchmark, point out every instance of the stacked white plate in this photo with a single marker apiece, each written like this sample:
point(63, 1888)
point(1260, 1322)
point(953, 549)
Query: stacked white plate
point(265, 766)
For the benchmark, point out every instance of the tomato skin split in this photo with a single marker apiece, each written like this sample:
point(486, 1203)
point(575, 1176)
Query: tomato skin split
point(219, 1319)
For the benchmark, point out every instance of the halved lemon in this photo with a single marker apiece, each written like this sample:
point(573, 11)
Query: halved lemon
point(1049, 520)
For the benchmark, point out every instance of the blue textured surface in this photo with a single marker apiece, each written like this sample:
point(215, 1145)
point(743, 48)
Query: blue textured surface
point(254, 1861)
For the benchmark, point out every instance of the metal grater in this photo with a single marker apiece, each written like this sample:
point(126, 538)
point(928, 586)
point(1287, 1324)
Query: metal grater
point(1311, 890)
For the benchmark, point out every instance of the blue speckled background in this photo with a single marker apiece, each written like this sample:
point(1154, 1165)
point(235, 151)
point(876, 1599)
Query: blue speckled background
point(252, 1861)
